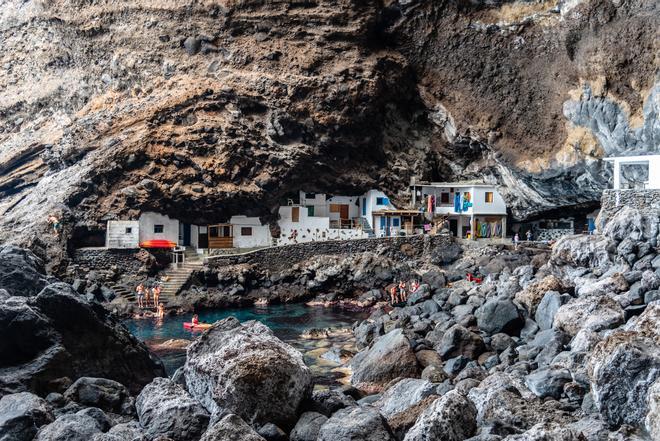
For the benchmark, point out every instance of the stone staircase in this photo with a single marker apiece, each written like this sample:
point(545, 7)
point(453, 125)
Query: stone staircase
point(364, 223)
point(175, 277)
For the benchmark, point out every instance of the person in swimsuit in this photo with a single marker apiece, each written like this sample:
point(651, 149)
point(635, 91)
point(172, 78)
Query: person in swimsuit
point(402, 291)
point(195, 320)
point(140, 295)
point(161, 311)
point(156, 293)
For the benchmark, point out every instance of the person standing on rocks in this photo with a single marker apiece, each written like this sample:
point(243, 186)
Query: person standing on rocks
point(529, 235)
point(393, 299)
point(54, 222)
point(156, 293)
point(147, 296)
point(516, 239)
point(402, 291)
point(140, 295)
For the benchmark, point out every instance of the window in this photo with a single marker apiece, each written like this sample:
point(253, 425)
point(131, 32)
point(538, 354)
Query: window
point(158, 228)
point(444, 198)
point(213, 231)
point(226, 231)
point(489, 197)
point(129, 230)
point(382, 201)
point(310, 195)
point(246, 231)
point(335, 208)
point(395, 222)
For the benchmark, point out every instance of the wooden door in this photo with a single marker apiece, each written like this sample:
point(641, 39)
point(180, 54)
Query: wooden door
point(343, 212)
point(295, 214)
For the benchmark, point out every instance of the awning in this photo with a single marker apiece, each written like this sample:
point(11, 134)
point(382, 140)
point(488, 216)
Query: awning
point(157, 243)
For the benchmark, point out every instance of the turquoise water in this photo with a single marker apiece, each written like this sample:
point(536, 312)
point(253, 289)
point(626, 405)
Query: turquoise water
point(288, 322)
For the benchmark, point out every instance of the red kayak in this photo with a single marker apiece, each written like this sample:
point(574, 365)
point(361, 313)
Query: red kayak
point(197, 327)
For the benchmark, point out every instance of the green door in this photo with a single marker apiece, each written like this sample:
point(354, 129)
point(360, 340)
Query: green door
point(310, 211)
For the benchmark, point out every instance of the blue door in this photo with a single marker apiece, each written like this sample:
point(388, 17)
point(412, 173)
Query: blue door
point(364, 206)
point(382, 224)
point(388, 226)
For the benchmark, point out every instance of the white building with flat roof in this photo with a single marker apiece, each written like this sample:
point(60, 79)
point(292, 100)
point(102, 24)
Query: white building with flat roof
point(468, 206)
point(641, 172)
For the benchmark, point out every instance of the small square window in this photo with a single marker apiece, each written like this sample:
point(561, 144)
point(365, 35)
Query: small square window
point(395, 222)
point(129, 230)
point(246, 231)
point(382, 201)
point(158, 228)
point(444, 198)
point(489, 197)
point(310, 195)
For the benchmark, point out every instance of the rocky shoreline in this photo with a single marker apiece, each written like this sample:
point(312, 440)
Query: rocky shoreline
point(550, 346)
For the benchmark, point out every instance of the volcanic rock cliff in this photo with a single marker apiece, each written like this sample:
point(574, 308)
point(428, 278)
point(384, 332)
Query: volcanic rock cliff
point(205, 109)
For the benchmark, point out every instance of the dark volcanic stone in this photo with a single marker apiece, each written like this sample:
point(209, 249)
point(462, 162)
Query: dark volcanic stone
point(21, 415)
point(42, 343)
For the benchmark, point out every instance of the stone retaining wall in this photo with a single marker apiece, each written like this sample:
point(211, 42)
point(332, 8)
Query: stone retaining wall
point(647, 201)
point(107, 261)
point(276, 258)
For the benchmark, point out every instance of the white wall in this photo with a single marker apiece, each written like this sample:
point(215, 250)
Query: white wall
point(117, 237)
point(480, 206)
point(353, 208)
point(371, 197)
point(318, 201)
point(381, 232)
point(260, 233)
point(307, 228)
point(170, 227)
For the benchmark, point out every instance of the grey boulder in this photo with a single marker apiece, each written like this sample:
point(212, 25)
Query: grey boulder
point(390, 357)
point(453, 417)
point(308, 426)
point(246, 370)
point(70, 427)
point(165, 409)
point(356, 423)
point(499, 315)
point(105, 394)
point(21, 415)
point(231, 428)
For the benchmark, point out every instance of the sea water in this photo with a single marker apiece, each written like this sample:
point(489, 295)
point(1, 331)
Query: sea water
point(288, 322)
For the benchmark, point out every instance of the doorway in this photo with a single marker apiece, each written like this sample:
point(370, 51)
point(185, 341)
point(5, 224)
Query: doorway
point(453, 227)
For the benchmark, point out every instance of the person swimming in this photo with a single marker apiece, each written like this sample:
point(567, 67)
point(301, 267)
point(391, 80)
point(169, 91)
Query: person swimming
point(195, 320)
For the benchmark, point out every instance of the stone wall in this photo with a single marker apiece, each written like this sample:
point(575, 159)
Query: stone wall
point(277, 258)
point(107, 262)
point(647, 201)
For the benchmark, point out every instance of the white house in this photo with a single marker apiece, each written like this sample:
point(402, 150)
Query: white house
point(150, 226)
point(468, 206)
point(640, 172)
point(250, 233)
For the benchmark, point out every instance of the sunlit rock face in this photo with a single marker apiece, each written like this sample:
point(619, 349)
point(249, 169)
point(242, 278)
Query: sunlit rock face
point(207, 109)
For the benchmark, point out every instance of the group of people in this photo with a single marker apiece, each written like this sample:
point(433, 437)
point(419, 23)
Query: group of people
point(400, 291)
point(145, 296)
point(516, 238)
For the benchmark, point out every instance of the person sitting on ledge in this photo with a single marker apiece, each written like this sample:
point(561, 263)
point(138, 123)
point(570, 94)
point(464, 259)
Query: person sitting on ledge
point(195, 320)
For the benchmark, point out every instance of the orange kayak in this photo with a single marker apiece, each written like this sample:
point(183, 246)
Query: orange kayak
point(197, 327)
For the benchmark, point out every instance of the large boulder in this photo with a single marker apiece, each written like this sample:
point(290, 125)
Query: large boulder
point(231, 428)
point(652, 420)
point(21, 415)
point(70, 427)
point(390, 357)
point(583, 251)
point(308, 426)
point(356, 424)
point(166, 409)
point(460, 341)
point(404, 395)
point(130, 431)
point(531, 296)
point(246, 370)
point(592, 313)
point(98, 392)
point(453, 417)
point(502, 400)
point(57, 334)
point(21, 272)
point(499, 315)
point(623, 367)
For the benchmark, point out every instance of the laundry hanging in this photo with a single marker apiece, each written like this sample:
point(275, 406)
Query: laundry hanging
point(429, 204)
point(457, 203)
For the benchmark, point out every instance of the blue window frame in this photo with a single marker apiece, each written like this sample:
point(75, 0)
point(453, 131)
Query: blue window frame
point(382, 201)
point(395, 222)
